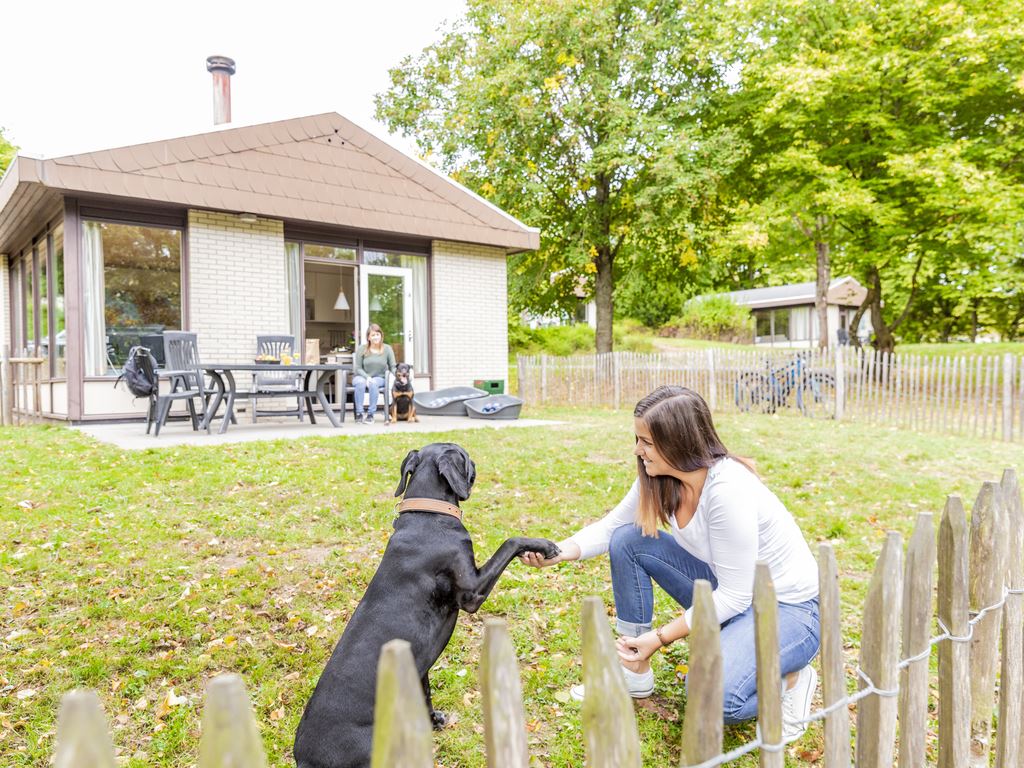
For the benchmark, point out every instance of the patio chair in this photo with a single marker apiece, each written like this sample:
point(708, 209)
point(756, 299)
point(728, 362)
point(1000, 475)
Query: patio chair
point(274, 383)
point(188, 382)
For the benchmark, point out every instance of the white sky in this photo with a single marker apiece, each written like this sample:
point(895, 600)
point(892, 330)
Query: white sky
point(82, 76)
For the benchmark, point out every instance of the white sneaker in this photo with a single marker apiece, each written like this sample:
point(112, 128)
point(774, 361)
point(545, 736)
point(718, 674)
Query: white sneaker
point(639, 685)
point(796, 704)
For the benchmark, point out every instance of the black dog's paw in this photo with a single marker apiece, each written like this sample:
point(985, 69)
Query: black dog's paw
point(546, 547)
point(438, 719)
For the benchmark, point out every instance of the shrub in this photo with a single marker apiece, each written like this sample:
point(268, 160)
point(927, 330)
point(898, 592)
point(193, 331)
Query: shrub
point(562, 340)
point(652, 303)
point(716, 318)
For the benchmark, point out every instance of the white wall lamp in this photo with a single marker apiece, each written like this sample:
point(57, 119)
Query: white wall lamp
point(248, 218)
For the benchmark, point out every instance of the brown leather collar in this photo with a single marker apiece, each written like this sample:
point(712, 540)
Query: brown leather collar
point(429, 505)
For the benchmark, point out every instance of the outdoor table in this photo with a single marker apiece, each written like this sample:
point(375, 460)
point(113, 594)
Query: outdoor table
point(223, 376)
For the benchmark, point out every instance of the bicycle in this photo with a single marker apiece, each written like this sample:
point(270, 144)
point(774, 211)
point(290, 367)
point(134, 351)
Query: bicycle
point(769, 391)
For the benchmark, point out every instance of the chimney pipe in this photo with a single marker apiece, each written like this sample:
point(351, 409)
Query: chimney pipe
point(222, 68)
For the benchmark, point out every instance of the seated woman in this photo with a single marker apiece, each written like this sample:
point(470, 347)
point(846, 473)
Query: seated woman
point(720, 520)
point(371, 363)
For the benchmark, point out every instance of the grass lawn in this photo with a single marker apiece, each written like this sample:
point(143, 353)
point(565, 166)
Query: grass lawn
point(139, 573)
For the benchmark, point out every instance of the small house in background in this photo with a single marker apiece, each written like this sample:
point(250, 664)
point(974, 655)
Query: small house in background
point(784, 315)
point(311, 227)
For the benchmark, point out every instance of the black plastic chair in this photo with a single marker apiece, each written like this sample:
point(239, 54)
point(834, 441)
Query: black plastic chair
point(274, 383)
point(187, 380)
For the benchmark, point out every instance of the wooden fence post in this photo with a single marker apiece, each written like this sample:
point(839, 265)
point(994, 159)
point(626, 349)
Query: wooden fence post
point(840, 366)
point(609, 723)
point(617, 380)
point(1011, 675)
point(954, 656)
point(401, 725)
point(230, 734)
point(769, 674)
point(502, 694)
point(986, 576)
point(702, 721)
point(544, 379)
point(833, 678)
point(1008, 397)
point(917, 613)
point(83, 740)
point(879, 656)
point(712, 383)
point(7, 395)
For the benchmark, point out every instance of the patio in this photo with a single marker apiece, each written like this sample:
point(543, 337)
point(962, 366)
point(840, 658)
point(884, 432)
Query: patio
point(131, 435)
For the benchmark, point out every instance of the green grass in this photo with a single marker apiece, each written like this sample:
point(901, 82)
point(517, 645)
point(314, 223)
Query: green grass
point(135, 573)
point(963, 348)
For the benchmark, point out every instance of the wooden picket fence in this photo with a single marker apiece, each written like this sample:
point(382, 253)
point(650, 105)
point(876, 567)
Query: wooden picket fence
point(20, 389)
point(981, 396)
point(979, 609)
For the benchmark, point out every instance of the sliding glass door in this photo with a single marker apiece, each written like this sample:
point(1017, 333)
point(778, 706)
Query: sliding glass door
point(387, 301)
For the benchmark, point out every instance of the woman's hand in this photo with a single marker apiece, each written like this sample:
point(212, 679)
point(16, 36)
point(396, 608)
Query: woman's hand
point(637, 650)
point(570, 550)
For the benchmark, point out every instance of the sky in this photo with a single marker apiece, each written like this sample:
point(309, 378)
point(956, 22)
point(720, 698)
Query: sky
point(80, 76)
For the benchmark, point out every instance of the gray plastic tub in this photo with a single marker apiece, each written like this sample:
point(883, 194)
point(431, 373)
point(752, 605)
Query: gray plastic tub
point(446, 402)
point(494, 407)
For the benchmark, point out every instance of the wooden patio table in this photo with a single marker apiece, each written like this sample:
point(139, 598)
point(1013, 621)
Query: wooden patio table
point(223, 375)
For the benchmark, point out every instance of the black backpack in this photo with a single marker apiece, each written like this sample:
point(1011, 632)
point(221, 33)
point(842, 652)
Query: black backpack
point(139, 373)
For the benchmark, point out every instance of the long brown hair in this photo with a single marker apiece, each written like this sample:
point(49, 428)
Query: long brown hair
point(684, 434)
point(370, 329)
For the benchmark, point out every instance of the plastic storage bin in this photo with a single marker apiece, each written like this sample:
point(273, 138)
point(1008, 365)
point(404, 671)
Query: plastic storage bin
point(494, 407)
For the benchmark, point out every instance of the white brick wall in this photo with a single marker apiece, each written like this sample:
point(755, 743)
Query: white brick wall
point(5, 302)
point(237, 283)
point(470, 296)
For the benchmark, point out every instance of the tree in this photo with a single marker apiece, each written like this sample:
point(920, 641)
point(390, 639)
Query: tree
point(7, 152)
point(581, 117)
point(888, 135)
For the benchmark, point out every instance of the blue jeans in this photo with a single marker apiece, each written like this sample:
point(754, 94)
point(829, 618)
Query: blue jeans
point(636, 560)
point(375, 384)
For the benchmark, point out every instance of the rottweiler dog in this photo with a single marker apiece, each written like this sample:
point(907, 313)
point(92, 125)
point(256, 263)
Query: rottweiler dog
point(402, 406)
point(427, 575)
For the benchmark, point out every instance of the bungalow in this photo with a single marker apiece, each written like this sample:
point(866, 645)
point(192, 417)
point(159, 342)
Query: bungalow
point(311, 227)
point(784, 315)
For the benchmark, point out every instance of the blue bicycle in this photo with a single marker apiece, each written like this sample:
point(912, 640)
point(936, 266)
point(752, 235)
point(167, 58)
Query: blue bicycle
point(767, 392)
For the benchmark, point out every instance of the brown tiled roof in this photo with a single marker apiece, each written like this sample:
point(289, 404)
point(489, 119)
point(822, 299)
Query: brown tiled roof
point(322, 169)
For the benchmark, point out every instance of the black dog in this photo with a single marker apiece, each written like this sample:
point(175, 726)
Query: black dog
point(402, 406)
point(427, 574)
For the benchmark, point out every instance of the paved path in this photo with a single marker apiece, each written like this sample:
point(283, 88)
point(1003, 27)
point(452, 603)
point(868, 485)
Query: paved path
point(132, 435)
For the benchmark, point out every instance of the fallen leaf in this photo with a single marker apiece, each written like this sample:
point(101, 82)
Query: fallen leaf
point(311, 630)
point(141, 703)
point(276, 714)
point(562, 696)
point(25, 693)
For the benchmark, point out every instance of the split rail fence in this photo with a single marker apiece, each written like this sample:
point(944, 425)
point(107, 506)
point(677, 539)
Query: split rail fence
point(20, 389)
point(979, 610)
point(980, 395)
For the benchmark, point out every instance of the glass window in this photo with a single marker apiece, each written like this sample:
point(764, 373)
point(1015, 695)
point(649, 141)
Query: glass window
point(314, 251)
point(42, 255)
point(781, 330)
point(132, 291)
point(763, 319)
point(58, 360)
point(420, 308)
point(28, 342)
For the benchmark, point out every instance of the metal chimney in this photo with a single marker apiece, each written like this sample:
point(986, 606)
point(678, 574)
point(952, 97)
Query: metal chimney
point(222, 68)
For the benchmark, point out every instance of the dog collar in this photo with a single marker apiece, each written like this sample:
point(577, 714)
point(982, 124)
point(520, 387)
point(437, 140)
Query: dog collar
point(429, 505)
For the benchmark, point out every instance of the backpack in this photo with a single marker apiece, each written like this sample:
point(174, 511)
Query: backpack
point(139, 373)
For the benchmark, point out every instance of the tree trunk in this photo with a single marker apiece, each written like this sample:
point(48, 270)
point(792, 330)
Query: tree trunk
point(824, 278)
point(603, 288)
point(604, 259)
point(884, 339)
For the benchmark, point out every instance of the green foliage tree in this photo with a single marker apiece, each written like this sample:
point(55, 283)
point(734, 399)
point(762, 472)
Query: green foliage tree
point(7, 151)
point(582, 118)
point(889, 136)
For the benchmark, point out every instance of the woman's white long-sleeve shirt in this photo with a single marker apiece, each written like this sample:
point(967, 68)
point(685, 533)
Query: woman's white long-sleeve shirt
point(738, 521)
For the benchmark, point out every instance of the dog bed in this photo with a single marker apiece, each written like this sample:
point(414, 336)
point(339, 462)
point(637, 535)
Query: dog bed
point(494, 407)
point(446, 402)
